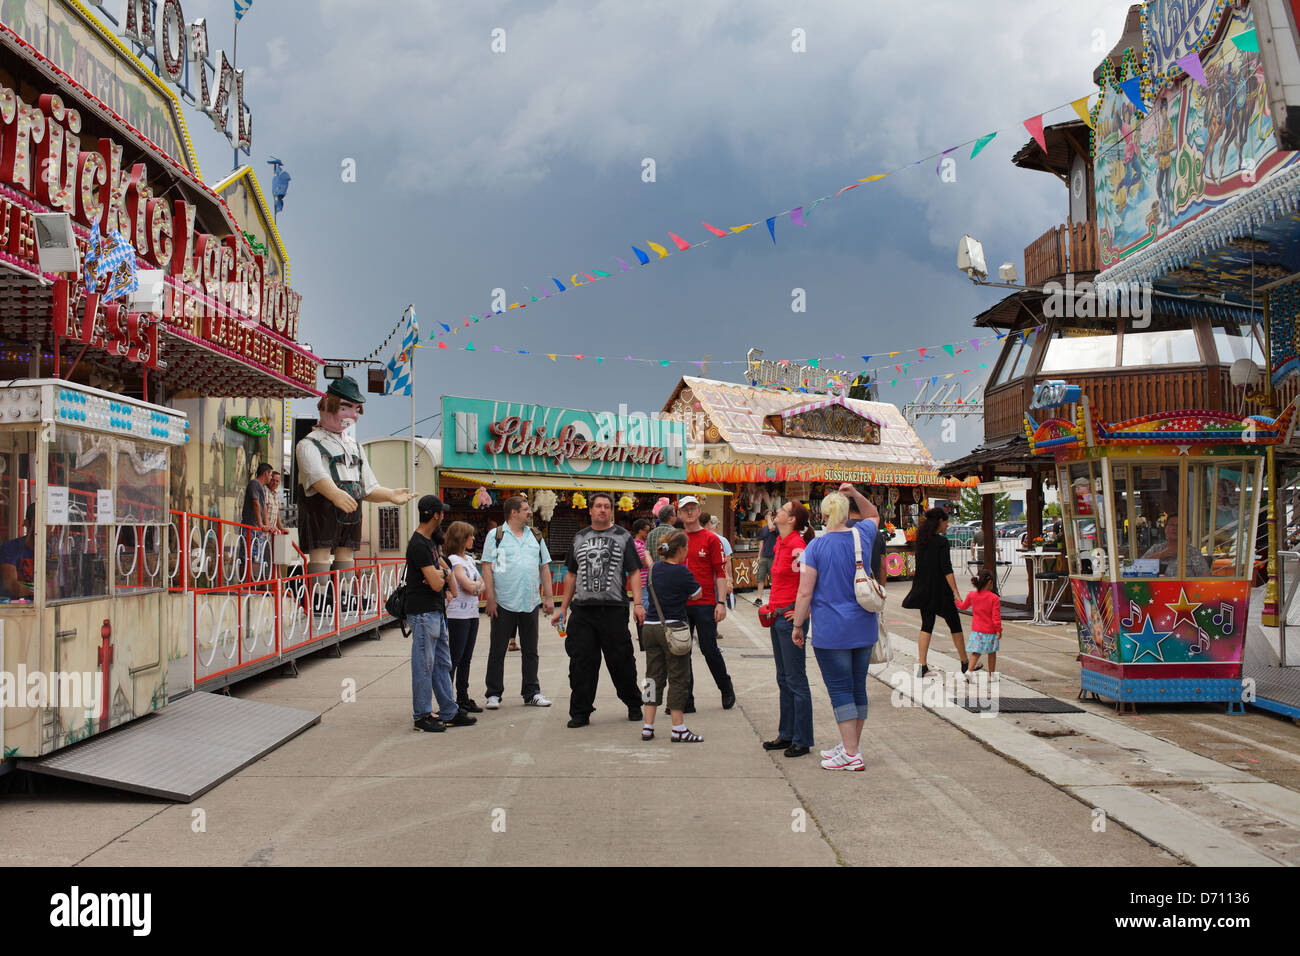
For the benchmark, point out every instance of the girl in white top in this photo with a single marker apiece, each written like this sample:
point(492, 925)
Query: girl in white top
point(462, 610)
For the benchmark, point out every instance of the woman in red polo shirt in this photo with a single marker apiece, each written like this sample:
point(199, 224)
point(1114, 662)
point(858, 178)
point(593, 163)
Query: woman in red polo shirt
point(795, 731)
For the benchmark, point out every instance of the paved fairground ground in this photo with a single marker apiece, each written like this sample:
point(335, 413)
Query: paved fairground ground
point(1168, 787)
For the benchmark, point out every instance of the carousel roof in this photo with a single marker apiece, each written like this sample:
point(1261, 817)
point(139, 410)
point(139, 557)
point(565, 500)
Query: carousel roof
point(738, 413)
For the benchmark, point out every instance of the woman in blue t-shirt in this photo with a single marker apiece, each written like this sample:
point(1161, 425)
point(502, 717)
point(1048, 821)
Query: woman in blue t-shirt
point(844, 631)
point(672, 585)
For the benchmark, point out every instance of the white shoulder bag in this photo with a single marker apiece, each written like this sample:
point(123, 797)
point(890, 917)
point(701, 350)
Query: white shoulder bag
point(869, 592)
point(871, 597)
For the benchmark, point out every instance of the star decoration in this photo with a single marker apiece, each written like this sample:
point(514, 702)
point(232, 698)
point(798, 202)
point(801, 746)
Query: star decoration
point(1183, 609)
point(1184, 449)
point(1147, 641)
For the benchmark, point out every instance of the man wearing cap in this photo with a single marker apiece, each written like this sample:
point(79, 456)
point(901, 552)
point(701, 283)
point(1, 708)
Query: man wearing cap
point(704, 558)
point(335, 479)
point(428, 576)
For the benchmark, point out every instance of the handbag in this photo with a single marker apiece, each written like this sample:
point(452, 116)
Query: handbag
point(882, 652)
point(767, 615)
point(677, 635)
point(869, 592)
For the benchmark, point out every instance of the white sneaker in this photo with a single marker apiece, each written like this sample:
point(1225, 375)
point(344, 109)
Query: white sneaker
point(537, 701)
point(492, 703)
point(834, 751)
point(842, 761)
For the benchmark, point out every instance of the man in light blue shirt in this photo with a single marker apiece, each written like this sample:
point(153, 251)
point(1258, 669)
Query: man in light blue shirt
point(516, 562)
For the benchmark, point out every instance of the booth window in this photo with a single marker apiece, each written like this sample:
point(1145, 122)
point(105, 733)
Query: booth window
point(389, 529)
point(1122, 499)
point(1218, 523)
point(1085, 518)
point(1233, 341)
point(1017, 356)
point(76, 546)
point(1082, 345)
point(17, 497)
point(1154, 514)
point(140, 511)
point(1169, 341)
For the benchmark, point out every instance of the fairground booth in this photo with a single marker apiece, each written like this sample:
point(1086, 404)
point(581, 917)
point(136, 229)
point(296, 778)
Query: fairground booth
point(751, 448)
point(1173, 284)
point(1160, 518)
point(555, 457)
point(148, 342)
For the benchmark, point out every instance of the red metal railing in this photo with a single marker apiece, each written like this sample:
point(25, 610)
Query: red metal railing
point(244, 610)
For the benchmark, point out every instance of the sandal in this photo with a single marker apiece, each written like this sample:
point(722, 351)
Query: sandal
point(686, 737)
point(513, 645)
point(647, 733)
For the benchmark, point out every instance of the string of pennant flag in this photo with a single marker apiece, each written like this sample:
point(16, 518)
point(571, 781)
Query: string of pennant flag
point(799, 215)
point(895, 372)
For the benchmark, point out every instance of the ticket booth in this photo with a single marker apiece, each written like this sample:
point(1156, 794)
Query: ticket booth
point(1160, 515)
point(85, 561)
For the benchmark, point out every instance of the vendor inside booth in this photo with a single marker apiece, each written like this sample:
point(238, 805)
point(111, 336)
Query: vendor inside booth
point(1161, 515)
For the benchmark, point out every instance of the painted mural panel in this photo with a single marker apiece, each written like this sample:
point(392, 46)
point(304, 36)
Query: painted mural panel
point(1162, 621)
point(1174, 28)
point(1196, 149)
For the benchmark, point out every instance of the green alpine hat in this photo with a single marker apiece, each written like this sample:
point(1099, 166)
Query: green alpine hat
point(346, 389)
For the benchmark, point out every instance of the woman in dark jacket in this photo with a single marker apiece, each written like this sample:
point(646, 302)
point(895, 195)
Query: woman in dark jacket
point(934, 588)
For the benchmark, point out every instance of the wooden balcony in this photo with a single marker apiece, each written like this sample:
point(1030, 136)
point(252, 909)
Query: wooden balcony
point(1124, 393)
point(1063, 249)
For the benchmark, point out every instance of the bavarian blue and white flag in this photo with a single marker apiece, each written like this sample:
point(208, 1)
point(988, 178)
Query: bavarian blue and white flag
point(397, 378)
point(241, 7)
point(116, 269)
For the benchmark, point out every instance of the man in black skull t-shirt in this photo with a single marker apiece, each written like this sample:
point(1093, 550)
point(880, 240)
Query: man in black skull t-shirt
point(600, 562)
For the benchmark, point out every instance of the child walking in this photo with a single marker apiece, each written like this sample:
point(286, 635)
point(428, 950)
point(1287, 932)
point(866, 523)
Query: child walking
point(986, 630)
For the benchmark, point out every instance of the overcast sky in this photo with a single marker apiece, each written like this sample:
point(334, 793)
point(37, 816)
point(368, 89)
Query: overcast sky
point(477, 169)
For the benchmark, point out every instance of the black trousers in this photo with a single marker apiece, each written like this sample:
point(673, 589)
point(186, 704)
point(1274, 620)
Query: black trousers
point(504, 627)
point(462, 634)
point(594, 631)
point(705, 628)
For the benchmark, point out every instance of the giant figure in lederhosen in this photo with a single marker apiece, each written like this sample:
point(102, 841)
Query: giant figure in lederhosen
point(335, 479)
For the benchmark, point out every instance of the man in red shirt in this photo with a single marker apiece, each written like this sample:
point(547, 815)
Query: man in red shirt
point(704, 558)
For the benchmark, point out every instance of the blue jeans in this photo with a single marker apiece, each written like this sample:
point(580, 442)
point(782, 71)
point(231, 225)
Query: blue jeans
point(792, 678)
point(845, 674)
point(431, 666)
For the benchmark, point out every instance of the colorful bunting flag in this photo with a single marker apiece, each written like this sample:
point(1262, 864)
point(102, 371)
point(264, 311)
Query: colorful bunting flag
point(713, 229)
point(1190, 64)
point(682, 244)
point(981, 143)
point(1247, 42)
point(771, 228)
point(796, 216)
point(1132, 88)
point(641, 256)
point(663, 253)
point(1081, 107)
point(1035, 126)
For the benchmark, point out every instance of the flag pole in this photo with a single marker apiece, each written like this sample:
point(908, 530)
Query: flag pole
point(411, 484)
point(234, 56)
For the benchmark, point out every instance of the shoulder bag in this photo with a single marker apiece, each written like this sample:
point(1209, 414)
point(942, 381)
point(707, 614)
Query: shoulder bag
point(678, 635)
point(869, 592)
